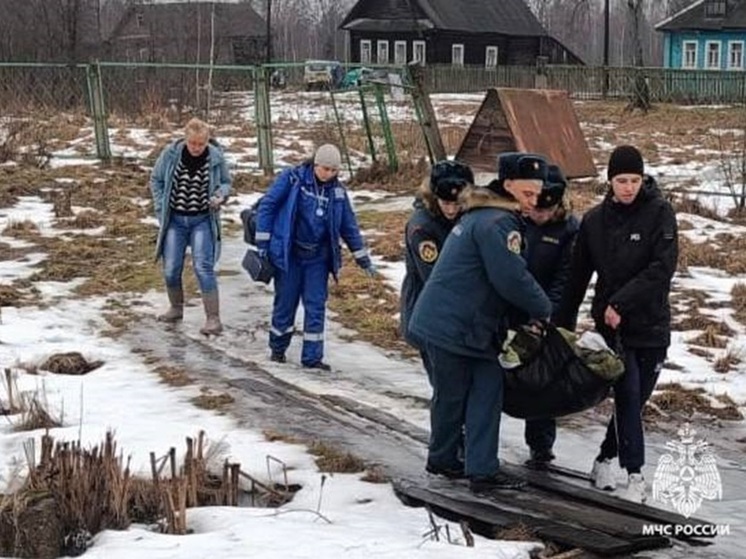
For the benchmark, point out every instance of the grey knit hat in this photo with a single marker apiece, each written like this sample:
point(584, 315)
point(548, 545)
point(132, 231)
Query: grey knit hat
point(328, 155)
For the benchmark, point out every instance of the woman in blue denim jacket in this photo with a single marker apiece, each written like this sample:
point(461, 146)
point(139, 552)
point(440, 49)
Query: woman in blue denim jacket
point(189, 182)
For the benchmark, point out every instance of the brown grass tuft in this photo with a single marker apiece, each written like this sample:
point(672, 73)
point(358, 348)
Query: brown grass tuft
point(518, 533)
point(71, 363)
point(215, 402)
point(333, 460)
point(674, 399)
point(173, 376)
point(738, 299)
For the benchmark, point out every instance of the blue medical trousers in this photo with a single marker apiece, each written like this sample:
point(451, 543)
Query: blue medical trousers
point(306, 280)
point(624, 435)
point(468, 395)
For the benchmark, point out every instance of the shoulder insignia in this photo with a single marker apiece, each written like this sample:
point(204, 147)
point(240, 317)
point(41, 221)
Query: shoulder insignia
point(428, 251)
point(514, 242)
point(339, 192)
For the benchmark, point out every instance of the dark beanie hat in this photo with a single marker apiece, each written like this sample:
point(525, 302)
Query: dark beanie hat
point(623, 160)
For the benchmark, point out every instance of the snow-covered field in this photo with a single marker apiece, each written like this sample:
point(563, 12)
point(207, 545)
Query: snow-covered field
point(365, 520)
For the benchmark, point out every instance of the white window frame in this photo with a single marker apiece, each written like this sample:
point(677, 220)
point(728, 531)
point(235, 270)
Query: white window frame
point(487, 51)
point(399, 57)
point(365, 43)
point(457, 54)
point(695, 63)
point(731, 44)
point(719, 65)
point(382, 46)
point(417, 45)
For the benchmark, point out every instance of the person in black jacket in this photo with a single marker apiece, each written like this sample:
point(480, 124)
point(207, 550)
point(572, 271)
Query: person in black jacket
point(461, 319)
point(630, 241)
point(436, 210)
point(550, 232)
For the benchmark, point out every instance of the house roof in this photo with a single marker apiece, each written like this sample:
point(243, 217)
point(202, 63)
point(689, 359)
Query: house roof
point(504, 17)
point(231, 19)
point(693, 18)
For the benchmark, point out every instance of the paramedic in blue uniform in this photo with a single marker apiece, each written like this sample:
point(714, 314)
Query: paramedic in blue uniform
point(300, 223)
point(461, 319)
point(550, 231)
point(436, 209)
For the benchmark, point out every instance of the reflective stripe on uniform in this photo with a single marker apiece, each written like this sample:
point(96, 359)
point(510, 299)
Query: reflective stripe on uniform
point(311, 337)
point(278, 332)
point(263, 236)
point(362, 253)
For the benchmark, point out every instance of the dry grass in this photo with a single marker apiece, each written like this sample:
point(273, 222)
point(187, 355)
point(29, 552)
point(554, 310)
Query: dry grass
point(331, 459)
point(275, 436)
point(375, 474)
point(173, 376)
point(71, 363)
point(387, 241)
point(710, 338)
point(738, 299)
point(207, 400)
point(728, 362)
point(36, 414)
point(518, 533)
point(672, 399)
point(368, 306)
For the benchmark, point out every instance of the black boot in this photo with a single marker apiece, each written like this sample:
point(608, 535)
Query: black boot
point(499, 481)
point(540, 459)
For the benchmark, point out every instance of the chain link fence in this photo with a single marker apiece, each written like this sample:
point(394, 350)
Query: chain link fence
point(268, 117)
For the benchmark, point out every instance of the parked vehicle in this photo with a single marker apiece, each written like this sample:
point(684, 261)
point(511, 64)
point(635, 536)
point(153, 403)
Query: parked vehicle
point(322, 74)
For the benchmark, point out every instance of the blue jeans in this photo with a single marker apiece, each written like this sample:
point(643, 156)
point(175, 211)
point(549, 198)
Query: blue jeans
point(465, 409)
point(193, 231)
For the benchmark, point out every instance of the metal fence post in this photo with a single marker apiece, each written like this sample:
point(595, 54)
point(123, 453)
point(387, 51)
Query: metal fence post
point(386, 125)
point(342, 139)
point(97, 109)
point(263, 120)
point(426, 115)
point(366, 123)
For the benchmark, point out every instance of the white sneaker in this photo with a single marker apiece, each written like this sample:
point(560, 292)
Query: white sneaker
point(602, 475)
point(636, 490)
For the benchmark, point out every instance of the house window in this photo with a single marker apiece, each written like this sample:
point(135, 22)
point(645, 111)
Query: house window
point(712, 48)
point(735, 55)
point(457, 54)
point(400, 52)
point(365, 54)
point(419, 52)
point(140, 20)
point(382, 52)
point(490, 57)
point(689, 55)
point(715, 8)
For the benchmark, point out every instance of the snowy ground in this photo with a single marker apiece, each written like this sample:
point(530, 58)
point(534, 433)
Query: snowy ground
point(366, 519)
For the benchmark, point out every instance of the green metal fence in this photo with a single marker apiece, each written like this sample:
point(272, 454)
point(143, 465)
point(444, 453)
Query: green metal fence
point(267, 110)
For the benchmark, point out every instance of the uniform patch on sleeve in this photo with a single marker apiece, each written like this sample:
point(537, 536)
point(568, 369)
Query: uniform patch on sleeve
point(514, 242)
point(339, 193)
point(428, 251)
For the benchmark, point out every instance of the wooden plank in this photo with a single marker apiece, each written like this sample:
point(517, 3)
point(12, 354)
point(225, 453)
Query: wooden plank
point(486, 515)
point(552, 482)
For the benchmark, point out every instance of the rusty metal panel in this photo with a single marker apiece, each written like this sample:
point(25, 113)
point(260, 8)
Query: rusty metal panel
point(530, 120)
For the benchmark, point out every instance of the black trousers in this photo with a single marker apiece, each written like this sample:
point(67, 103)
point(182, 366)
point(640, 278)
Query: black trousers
point(624, 435)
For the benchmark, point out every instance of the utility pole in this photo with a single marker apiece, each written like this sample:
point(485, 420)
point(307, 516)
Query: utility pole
point(606, 49)
point(269, 32)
